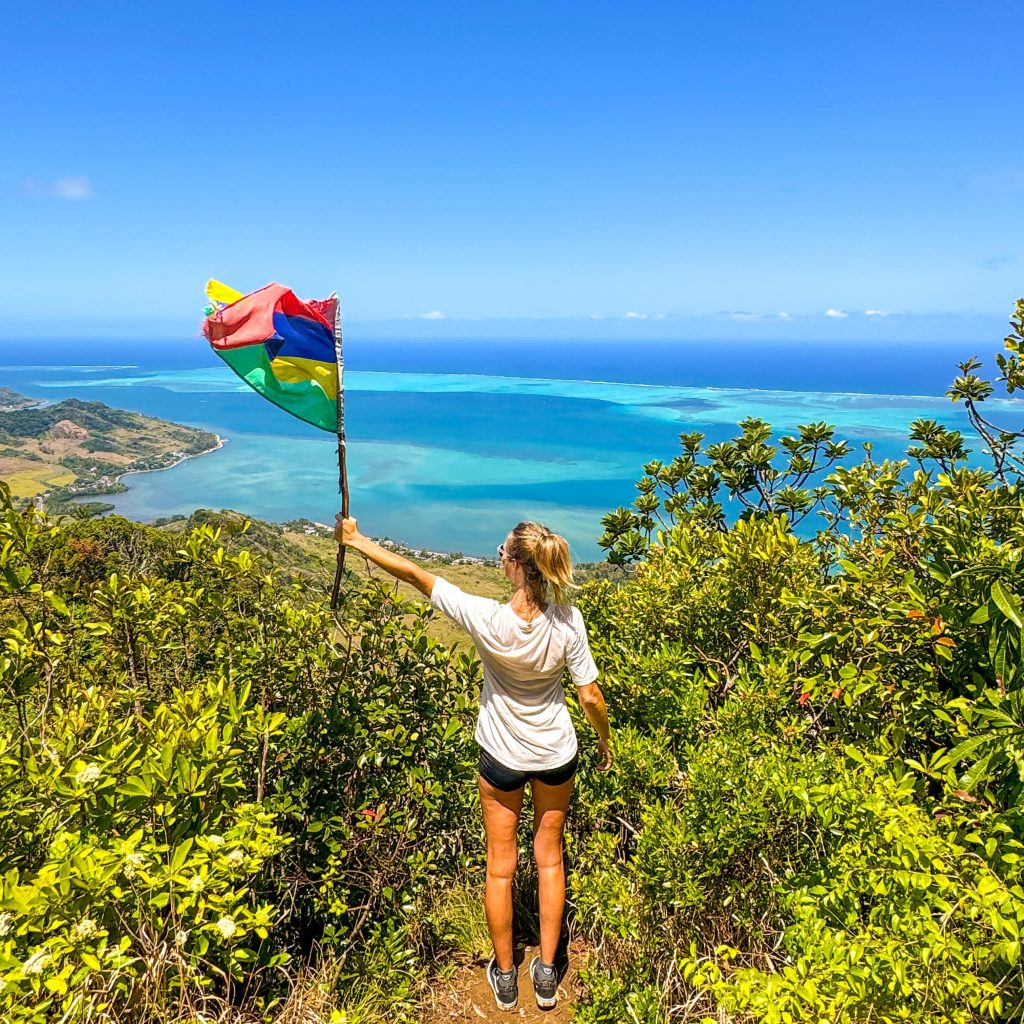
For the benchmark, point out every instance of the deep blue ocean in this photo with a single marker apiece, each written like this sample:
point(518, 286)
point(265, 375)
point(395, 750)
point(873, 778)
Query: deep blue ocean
point(451, 443)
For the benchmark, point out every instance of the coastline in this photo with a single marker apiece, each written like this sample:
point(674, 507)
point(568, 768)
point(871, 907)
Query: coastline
point(117, 486)
point(221, 441)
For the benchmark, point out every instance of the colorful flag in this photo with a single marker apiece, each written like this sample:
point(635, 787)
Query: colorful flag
point(280, 346)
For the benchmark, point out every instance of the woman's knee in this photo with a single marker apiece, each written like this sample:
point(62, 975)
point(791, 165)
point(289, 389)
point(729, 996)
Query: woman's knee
point(548, 847)
point(502, 859)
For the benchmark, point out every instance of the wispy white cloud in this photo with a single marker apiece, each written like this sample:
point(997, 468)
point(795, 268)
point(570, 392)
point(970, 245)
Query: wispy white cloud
point(434, 314)
point(837, 314)
point(63, 188)
point(595, 316)
point(875, 312)
point(750, 315)
point(635, 316)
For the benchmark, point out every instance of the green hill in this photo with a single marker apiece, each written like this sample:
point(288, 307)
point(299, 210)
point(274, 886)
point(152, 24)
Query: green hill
point(74, 448)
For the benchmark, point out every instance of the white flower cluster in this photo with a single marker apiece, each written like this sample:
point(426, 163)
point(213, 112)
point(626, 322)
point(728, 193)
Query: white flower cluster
point(196, 883)
point(87, 775)
point(236, 858)
point(35, 963)
point(227, 927)
point(84, 929)
point(132, 863)
point(215, 841)
point(6, 921)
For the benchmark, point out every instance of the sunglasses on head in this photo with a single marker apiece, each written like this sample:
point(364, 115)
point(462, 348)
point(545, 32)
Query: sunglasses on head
point(503, 553)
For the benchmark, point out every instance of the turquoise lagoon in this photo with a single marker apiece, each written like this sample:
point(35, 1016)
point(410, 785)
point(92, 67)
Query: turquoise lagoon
point(448, 460)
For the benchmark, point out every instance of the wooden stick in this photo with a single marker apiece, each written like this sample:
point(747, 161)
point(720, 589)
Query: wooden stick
point(339, 571)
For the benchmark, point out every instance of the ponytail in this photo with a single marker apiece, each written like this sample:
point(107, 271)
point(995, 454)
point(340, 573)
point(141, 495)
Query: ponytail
point(544, 557)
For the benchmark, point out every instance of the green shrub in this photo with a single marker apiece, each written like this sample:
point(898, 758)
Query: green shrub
point(820, 740)
point(206, 775)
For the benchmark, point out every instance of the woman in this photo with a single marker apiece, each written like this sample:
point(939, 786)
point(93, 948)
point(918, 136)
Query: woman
point(524, 731)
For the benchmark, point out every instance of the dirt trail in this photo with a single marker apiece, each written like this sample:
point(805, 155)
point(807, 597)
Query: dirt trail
point(467, 996)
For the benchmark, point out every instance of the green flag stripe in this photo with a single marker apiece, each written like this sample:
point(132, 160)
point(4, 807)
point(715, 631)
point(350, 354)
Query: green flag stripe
point(305, 400)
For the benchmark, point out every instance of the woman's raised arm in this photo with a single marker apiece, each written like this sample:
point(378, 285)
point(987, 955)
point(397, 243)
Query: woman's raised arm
point(346, 531)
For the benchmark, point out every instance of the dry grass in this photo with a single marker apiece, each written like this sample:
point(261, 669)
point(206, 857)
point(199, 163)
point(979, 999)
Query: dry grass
point(452, 919)
point(27, 479)
point(313, 997)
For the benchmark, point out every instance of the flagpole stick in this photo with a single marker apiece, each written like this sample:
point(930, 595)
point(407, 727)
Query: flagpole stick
point(342, 469)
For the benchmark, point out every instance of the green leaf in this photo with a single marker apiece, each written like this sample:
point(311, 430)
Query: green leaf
point(979, 615)
point(962, 750)
point(180, 854)
point(1008, 604)
point(978, 771)
point(134, 786)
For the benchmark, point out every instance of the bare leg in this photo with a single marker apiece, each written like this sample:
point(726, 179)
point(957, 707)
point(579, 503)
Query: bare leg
point(550, 804)
point(501, 816)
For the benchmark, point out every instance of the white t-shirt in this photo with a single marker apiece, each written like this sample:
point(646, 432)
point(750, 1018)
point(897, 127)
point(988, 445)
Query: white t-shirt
point(524, 722)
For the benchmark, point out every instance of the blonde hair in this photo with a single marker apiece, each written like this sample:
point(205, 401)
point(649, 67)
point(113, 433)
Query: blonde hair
point(544, 557)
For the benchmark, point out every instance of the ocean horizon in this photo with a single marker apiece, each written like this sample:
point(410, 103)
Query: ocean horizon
point(451, 443)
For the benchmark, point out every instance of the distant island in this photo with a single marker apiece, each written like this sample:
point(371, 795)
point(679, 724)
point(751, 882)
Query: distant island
point(58, 453)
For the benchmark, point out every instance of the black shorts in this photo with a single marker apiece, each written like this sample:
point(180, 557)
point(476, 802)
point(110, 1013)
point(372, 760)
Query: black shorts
point(509, 779)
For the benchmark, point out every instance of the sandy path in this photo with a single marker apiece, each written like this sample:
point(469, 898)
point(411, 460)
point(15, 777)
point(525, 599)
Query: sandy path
point(467, 997)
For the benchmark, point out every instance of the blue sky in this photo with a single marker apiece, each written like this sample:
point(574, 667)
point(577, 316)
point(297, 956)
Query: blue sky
point(552, 169)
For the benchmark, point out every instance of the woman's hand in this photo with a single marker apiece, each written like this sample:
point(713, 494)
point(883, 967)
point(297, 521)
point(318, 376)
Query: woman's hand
point(346, 531)
point(604, 755)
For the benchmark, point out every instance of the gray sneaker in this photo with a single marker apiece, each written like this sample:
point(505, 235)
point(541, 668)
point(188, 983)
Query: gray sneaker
point(545, 982)
point(504, 985)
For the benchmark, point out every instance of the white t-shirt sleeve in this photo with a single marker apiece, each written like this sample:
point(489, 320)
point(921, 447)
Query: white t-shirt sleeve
point(470, 612)
point(578, 659)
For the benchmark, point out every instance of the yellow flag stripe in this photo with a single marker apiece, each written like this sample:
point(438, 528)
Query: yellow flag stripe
point(295, 370)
